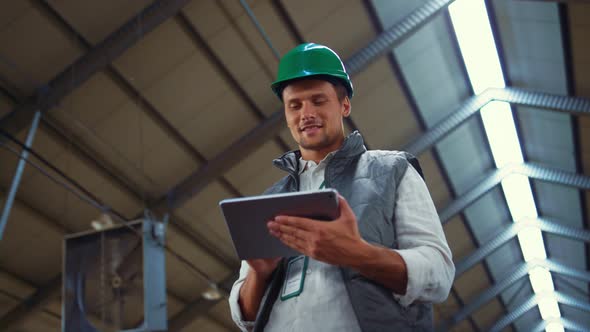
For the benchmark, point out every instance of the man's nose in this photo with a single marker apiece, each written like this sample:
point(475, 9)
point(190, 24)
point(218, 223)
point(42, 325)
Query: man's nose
point(308, 111)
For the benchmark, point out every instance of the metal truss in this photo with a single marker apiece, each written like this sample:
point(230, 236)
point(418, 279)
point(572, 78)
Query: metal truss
point(546, 225)
point(514, 96)
point(532, 170)
point(514, 276)
point(532, 302)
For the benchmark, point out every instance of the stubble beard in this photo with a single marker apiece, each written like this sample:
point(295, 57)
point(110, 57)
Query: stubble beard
point(322, 144)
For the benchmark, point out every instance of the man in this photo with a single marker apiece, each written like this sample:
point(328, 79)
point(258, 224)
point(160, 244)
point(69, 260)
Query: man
point(381, 264)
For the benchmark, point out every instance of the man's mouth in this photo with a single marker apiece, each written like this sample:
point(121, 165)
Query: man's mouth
point(310, 127)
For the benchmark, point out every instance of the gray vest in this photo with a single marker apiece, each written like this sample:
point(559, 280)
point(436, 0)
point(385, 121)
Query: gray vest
point(368, 180)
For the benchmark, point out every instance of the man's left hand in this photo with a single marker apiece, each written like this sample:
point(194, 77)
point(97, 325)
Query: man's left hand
point(336, 242)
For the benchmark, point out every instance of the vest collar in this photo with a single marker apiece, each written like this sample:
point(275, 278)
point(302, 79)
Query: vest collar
point(352, 146)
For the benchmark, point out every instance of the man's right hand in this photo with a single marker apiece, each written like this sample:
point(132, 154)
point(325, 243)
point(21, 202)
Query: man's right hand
point(254, 285)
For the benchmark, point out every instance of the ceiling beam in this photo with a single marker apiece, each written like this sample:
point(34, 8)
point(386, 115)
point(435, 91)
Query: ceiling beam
point(545, 224)
point(511, 278)
point(532, 302)
point(514, 96)
point(90, 63)
point(272, 125)
point(494, 177)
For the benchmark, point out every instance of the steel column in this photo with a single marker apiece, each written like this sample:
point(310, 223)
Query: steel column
point(18, 173)
point(92, 62)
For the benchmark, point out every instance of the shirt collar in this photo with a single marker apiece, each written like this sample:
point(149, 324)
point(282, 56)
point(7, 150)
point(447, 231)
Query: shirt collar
point(303, 164)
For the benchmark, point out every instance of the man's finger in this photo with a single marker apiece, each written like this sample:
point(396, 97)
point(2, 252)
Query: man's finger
point(293, 231)
point(298, 222)
point(293, 242)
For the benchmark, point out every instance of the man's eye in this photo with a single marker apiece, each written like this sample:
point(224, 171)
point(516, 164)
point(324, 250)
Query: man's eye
point(319, 101)
point(294, 106)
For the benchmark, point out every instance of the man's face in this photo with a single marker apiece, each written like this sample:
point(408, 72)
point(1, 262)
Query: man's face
point(314, 115)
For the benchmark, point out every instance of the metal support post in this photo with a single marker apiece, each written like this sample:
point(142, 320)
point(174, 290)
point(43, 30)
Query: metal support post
point(18, 174)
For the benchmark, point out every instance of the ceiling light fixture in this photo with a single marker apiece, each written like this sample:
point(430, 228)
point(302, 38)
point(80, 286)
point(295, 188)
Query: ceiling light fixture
point(474, 34)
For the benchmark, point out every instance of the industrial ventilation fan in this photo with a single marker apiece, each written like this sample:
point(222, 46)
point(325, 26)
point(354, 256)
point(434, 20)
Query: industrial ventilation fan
point(114, 279)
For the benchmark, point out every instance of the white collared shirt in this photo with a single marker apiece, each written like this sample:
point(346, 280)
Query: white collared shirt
point(324, 304)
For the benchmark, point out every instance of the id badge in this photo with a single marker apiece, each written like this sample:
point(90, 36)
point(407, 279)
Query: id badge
point(295, 277)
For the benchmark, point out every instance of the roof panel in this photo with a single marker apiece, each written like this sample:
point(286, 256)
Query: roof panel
point(433, 72)
point(472, 283)
point(390, 12)
point(39, 322)
point(488, 216)
point(505, 259)
point(39, 53)
point(529, 320)
point(168, 164)
point(5, 106)
point(97, 19)
point(458, 238)
point(579, 316)
point(233, 51)
point(369, 113)
point(562, 249)
point(465, 156)
point(324, 24)
point(87, 106)
point(548, 137)
point(13, 11)
point(434, 179)
point(43, 246)
point(532, 46)
point(158, 52)
point(204, 217)
point(489, 314)
point(445, 309)
point(256, 172)
point(527, 10)
point(559, 202)
point(219, 124)
point(189, 88)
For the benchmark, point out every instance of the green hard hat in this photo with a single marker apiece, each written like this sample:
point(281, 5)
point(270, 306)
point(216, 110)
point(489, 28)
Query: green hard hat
point(308, 60)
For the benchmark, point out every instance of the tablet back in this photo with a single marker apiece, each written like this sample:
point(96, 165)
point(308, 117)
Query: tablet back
point(246, 219)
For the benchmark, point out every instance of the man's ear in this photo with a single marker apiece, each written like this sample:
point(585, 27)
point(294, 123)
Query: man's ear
point(346, 107)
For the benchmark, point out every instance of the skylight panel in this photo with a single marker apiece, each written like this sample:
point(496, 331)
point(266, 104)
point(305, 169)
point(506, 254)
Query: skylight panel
point(472, 28)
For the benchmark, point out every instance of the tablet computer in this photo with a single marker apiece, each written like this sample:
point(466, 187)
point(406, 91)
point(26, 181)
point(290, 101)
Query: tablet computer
point(246, 219)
